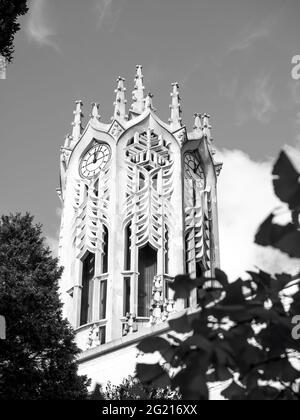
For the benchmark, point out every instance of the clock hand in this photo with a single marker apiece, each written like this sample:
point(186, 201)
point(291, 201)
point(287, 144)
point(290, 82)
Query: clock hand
point(95, 157)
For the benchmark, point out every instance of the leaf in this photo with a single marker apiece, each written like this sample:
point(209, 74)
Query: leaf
point(221, 277)
point(281, 370)
point(153, 375)
point(224, 355)
point(192, 384)
point(236, 313)
point(295, 307)
point(283, 280)
point(234, 392)
point(180, 325)
point(234, 294)
point(199, 342)
point(183, 285)
point(263, 393)
point(219, 374)
point(285, 238)
point(153, 344)
point(286, 183)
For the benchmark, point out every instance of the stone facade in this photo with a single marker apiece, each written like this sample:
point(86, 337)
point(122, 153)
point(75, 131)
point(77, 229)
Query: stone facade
point(139, 207)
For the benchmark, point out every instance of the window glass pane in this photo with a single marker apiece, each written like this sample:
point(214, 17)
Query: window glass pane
point(147, 270)
point(103, 297)
point(105, 250)
point(88, 273)
point(127, 246)
point(127, 292)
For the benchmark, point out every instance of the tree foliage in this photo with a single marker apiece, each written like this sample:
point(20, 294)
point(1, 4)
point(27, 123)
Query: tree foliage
point(241, 334)
point(38, 358)
point(10, 11)
point(132, 389)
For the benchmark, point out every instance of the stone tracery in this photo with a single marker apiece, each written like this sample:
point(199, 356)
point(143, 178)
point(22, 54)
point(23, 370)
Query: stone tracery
point(149, 188)
point(91, 213)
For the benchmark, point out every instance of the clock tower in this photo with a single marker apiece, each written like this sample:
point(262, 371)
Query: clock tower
point(139, 201)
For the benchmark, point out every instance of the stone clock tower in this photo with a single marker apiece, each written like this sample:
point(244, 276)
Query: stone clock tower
point(139, 203)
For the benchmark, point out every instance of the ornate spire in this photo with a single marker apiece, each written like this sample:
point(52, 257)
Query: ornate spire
point(175, 120)
point(68, 141)
point(138, 105)
point(120, 104)
point(198, 122)
point(95, 112)
point(207, 127)
point(77, 124)
point(149, 101)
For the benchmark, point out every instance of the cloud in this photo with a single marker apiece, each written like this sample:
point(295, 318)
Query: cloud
point(256, 101)
point(295, 97)
point(108, 13)
point(295, 91)
point(246, 198)
point(38, 28)
point(252, 34)
point(249, 39)
point(52, 242)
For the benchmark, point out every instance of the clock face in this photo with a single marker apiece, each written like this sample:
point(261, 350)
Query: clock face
point(95, 160)
point(193, 167)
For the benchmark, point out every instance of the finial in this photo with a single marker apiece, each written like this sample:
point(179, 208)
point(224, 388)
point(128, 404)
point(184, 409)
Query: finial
point(68, 141)
point(198, 122)
point(120, 104)
point(149, 101)
point(207, 127)
point(175, 120)
point(138, 105)
point(95, 112)
point(77, 124)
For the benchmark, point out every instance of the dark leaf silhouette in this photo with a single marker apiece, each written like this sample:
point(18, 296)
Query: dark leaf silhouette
point(152, 375)
point(183, 285)
point(153, 344)
point(180, 325)
point(286, 182)
point(192, 384)
point(284, 238)
point(234, 392)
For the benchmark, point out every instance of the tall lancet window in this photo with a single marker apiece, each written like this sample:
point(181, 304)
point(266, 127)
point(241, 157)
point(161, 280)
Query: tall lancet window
point(88, 273)
point(105, 250)
point(147, 272)
point(194, 178)
point(127, 248)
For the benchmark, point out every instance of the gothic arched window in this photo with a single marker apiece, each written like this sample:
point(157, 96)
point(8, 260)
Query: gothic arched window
point(147, 272)
point(88, 273)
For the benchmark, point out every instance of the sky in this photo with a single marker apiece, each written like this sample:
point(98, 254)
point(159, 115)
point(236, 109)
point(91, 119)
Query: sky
point(232, 59)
